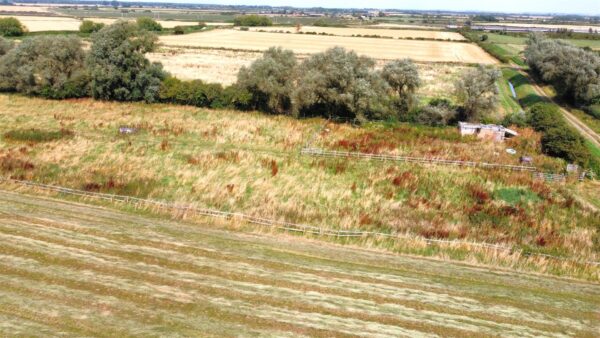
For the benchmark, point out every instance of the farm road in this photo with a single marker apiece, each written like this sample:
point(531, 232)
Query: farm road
point(74, 269)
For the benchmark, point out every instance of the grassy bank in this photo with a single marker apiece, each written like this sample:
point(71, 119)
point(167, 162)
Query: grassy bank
point(249, 162)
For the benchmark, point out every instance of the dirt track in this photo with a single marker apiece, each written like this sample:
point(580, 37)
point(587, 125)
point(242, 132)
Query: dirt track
point(69, 268)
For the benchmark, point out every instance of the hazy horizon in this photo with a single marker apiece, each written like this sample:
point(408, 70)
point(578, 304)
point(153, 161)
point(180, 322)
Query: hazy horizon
point(585, 7)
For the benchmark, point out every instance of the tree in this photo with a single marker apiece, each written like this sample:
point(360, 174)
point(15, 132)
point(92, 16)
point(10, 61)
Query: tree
point(544, 116)
point(573, 71)
point(252, 20)
point(118, 67)
point(89, 26)
point(339, 83)
point(5, 46)
point(47, 66)
point(11, 27)
point(403, 77)
point(149, 24)
point(477, 91)
point(270, 80)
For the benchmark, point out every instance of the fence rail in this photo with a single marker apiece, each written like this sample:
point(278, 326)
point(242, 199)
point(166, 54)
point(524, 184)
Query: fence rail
point(282, 225)
point(411, 159)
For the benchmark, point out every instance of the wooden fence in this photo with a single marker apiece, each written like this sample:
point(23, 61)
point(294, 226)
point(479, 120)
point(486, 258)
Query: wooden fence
point(282, 225)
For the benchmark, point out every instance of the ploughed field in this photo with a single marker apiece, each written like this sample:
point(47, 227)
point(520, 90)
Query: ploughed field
point(387, 49)
point(79, 270)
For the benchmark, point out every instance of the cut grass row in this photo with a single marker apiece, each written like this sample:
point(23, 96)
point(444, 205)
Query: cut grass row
point(147, 276)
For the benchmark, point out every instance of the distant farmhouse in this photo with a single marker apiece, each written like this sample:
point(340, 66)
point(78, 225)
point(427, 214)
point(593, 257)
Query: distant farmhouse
point(486, 131)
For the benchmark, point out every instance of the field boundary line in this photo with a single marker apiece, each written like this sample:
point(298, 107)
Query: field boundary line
point(282, 225)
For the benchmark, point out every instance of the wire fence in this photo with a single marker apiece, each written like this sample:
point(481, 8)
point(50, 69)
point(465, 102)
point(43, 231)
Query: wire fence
point(411, 159)
point(282, 225)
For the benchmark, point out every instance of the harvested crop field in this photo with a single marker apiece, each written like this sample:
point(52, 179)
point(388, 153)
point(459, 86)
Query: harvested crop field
point(222, 66)
point(48, 23)
point(387, 49)
point(80, 270)
point(392, 33)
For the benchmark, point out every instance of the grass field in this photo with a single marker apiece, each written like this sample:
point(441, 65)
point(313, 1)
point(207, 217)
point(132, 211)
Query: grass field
point(391, 33)
point(433, 51)
point(72, 269)
point(551, 26)
point(249, 162)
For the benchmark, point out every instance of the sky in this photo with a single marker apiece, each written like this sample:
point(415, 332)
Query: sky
point(587, 7)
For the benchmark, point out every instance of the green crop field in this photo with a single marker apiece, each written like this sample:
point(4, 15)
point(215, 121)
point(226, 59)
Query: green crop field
point(72, 269)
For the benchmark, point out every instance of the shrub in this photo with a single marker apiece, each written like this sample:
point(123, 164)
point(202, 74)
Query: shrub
point(178, 30)
point(567, 144)
point(252, 20)
point(148, 24)
point(5, 46)
point(11, 27)
point(200, 94)
point(88, 26)
point(544, 116)
point(270, 80)
point(594, 110)
point(45, 66)
point(520, 119)
point(37, 135)
point(117, 65)
point(436, 115)
point(340, 84)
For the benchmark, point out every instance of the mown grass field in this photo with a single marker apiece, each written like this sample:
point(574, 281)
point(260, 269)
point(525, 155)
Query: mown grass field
point(249, 162)
point(77, 270)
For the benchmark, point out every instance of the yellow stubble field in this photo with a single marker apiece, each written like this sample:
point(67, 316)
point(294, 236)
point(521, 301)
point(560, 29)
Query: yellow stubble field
point(383, 49)
point(391, 33)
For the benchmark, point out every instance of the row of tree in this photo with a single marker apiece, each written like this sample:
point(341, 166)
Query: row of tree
point(336, 83)
point(573, 71)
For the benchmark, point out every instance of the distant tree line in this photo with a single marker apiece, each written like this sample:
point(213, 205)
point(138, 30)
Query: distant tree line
point(252, 20)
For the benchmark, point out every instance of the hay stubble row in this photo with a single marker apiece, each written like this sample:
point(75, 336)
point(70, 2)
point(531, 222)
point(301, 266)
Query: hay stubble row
point(83, 270)
point(385, 49)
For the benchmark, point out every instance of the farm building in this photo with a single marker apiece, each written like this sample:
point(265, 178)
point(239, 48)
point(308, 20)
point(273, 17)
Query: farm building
point(486, 131)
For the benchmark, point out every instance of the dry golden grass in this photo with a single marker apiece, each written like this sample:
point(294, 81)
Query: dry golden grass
point(387, 49)
point(249, 162)
point(222, 66)
point(48, 23)
point(24, 8)
point(393, 33)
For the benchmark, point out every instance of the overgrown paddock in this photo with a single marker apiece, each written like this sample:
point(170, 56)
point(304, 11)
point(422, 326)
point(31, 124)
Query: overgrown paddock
point(250, 163)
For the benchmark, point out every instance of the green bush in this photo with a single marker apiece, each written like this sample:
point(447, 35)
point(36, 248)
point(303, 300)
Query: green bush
point(594, 110)
point(88, 26)
point(178, 30)
point(252, 20)
point(566, 143)
point(11, 27)
point(200, 94)
point(545, 116)
point(148, 24)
